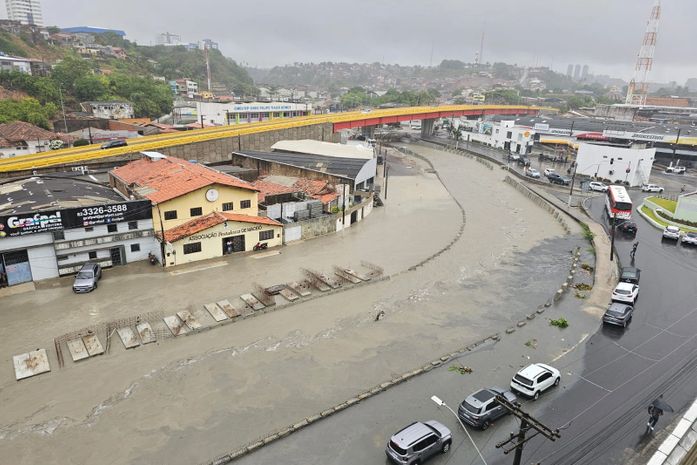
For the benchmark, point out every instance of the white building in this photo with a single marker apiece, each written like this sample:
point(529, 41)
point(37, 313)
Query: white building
point(686, 209)
point(109, 110)
point(615, 163)
point(25, 11)
point(235, 113)
point(20, 138)
point(8, 63)
point(50, 226)
point(505, 135)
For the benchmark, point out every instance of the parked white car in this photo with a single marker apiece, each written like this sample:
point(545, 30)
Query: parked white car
point(626, 293)
point(534, 379)
point(671, 232)
point(676, 169)
point(689, 238)
point(597, 186)
point(651, 188)
point(533, 173)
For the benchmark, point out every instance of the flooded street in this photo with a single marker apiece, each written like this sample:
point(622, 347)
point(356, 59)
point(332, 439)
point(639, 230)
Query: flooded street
point(185, 400)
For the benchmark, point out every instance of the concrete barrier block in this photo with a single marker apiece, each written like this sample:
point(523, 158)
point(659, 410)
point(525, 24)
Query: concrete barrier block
point(340, 407)
point(385, 385)
point(255, 446)
point(270, 439)
point(302, 424)
point(510, 330)
point(530, 316)
point(313, 419)
point(520, 324)
point(436, 363)
point(326, 413)
point(221, 460)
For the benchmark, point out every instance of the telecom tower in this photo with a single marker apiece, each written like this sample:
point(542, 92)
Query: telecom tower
point(639, 87)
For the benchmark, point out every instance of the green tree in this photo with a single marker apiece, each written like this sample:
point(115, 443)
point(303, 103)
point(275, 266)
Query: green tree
point(27, 109)
point(89, 87)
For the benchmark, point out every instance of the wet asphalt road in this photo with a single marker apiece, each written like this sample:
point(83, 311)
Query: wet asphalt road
point(359, 434)
point(601, 405)
point(625, 370)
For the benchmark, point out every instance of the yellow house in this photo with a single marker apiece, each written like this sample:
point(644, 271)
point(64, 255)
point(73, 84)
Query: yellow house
point(198, 213)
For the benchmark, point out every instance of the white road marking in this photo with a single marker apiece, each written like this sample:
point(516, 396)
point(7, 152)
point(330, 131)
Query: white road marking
point(634, 353)
point(595, 384)
point(583, 338)
point(665, 330)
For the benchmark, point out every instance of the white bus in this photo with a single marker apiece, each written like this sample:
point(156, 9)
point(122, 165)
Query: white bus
point(618, 204)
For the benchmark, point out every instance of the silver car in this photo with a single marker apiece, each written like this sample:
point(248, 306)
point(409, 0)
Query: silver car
point(418, 442)
point(481, 409)
point(671, 232)
point(87, 278)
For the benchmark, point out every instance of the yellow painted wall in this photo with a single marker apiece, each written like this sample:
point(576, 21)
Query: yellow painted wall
point(212, 241)
point(197, 198)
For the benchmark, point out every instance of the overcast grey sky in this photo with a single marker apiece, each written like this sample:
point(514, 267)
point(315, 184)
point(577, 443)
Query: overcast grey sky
point(605, 34)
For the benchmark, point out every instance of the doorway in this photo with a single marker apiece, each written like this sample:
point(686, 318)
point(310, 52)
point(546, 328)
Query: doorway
point(116, 256)
point(233, 244)
point(15, 268)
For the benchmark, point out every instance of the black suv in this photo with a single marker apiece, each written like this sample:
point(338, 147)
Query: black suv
point(555, 178)
point(114, 143)
point(630, 275)
point(628, 227)
point(481, 409)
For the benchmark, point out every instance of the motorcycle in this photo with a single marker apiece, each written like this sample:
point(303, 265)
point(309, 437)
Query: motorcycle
point(261, 246)
point(152, 258)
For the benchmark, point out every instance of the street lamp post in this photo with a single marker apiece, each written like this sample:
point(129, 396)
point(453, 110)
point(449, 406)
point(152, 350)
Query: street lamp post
point(440, 403)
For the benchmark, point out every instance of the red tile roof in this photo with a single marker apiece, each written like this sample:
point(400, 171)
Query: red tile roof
point(212, 219)
point(271, 188)
point(168, 178)
point(313, 188)
point(21, 131)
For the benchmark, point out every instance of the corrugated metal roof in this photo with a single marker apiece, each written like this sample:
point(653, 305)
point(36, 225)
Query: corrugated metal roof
point(342, 167)
point(325, 149)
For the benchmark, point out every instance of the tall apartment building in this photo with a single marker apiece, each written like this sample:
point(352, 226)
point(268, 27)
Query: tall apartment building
point(25, 11)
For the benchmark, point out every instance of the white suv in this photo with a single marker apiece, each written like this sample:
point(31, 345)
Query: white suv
point(535, 379)
point(597, 186)
point(671, 232)
point(626, 293)
point(676, 169)
point(651, 188)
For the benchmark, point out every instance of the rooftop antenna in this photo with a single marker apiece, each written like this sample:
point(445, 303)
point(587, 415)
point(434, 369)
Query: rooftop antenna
point(480, 57)
point(639, 87)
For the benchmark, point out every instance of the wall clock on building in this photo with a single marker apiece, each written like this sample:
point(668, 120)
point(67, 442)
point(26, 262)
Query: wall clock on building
point(211, 195)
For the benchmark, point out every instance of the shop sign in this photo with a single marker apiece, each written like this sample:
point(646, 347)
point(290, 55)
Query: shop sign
point(210, 235)
point(69, 218)
point(106, 214)
point(20, 225)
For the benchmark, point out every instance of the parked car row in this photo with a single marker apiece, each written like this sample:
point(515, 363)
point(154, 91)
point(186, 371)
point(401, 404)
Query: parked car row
point(674, 233)
point(420, 441)
point(621, 309)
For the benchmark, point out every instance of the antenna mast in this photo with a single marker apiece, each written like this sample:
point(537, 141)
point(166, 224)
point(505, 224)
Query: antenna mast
point(639, 86)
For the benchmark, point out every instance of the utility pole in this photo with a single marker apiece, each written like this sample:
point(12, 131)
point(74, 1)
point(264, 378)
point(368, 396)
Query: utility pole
point(612, 239)
point(65, 123)
point(202, 121)
point(527, 422)
point(675, 145)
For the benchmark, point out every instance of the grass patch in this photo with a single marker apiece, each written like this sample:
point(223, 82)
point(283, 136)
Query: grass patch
point(532, 343)
point(560, 323)
point(650, 213)
point(587, 233)
point(587, 267)
point(583, 286)
point(580, 295)
point(664, 203)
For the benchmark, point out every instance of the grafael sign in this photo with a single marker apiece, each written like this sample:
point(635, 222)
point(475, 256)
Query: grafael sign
point(27, 223)
point(19, 225)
